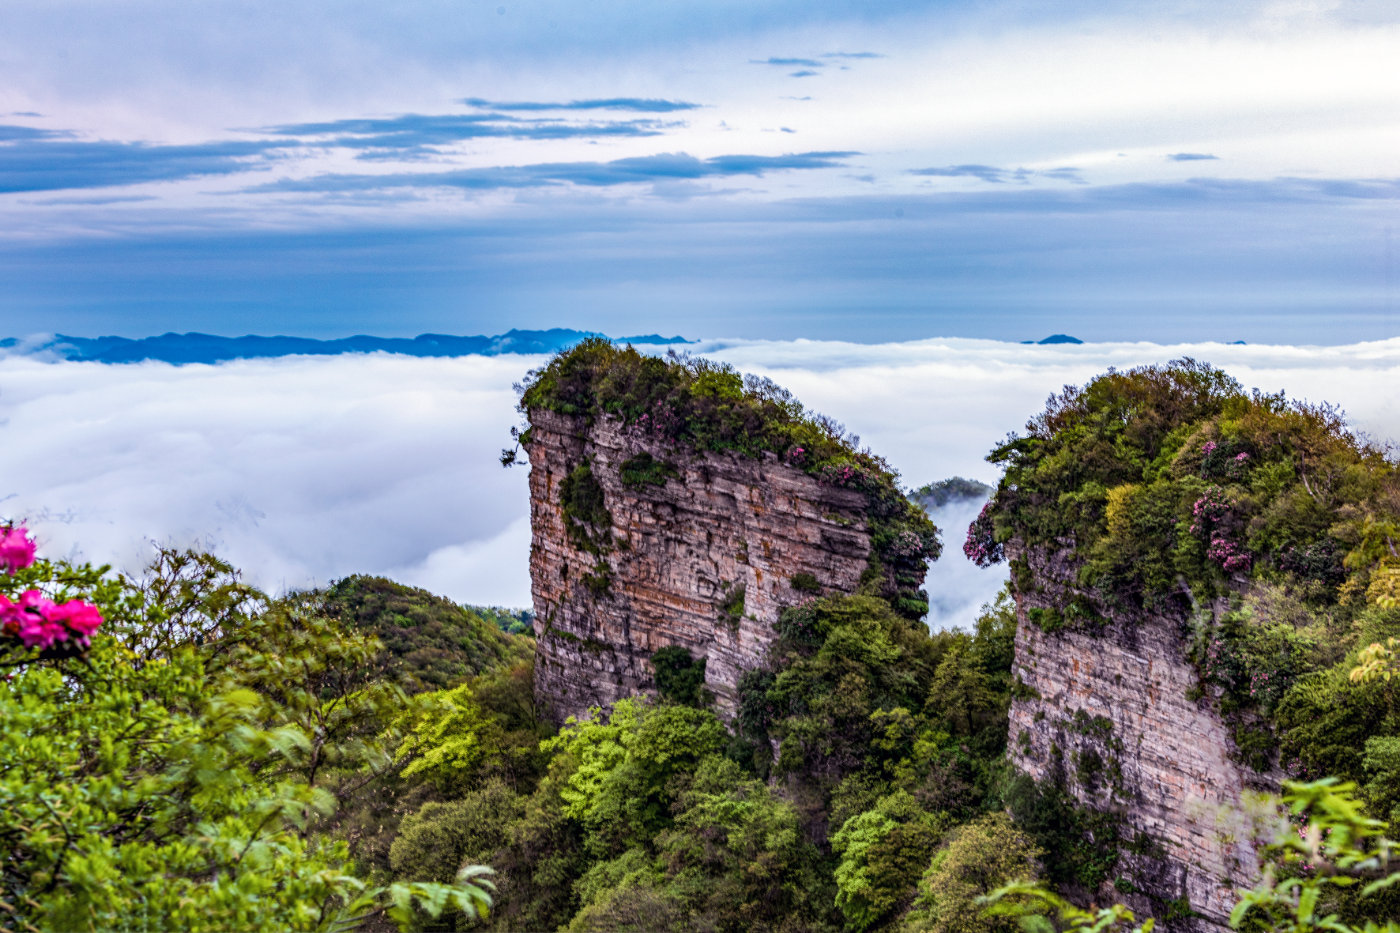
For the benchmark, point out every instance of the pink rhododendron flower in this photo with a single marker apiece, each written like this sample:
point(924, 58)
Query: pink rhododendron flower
point(38, 622)
point(981, 546)
point(16, 549)
point(79, 617)
point(27, 620)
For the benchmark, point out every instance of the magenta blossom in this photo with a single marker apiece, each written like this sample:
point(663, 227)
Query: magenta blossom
point(981, 546)
point(16, 549)
point(39, 622)
point(81, 618)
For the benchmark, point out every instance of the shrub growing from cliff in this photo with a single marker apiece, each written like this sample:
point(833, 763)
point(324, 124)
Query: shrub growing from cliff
point(645, 470)
point(680, 677)
point(708, 406)
point(587, 521)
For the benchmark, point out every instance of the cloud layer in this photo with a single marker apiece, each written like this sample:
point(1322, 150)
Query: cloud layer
point(670, 166)
point(303, 470)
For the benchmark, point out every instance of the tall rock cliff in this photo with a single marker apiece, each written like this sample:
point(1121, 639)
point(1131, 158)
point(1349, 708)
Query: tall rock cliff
point(672, 505)
point(1192, 566)
point(1114, 712)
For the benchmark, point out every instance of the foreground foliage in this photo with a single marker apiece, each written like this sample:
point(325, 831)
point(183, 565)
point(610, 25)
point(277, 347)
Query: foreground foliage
point(1326, 847)
point(175, 774)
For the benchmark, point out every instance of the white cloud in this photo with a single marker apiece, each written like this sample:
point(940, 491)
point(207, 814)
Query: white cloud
point(958, 588)
point(298, 470)
point(302, 470)
point(486, 572)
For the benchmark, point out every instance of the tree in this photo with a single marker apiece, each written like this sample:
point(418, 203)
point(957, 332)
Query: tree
point(737, 856)
point(618, 791)
point(882, 851)
point(168, 775)
point(978, 858)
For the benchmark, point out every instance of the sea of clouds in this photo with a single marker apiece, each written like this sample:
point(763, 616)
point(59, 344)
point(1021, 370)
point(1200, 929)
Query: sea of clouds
point(301, 470)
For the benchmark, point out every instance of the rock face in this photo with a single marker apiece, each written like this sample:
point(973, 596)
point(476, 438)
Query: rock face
point(1109, 714)
point(703, 556)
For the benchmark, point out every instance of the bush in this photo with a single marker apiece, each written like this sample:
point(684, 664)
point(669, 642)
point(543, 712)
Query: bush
point(644, 470)
point(883, 851)
point(977, 859)
point(680, 678)
point(179, 775)
point(1165, 473)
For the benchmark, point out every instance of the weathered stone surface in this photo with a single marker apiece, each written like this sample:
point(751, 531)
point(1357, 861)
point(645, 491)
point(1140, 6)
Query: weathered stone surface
point(679, 552)
point(1164, 762)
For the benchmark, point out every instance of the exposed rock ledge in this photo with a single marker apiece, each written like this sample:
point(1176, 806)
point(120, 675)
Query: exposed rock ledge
point(679, 553)
point(1164, 762)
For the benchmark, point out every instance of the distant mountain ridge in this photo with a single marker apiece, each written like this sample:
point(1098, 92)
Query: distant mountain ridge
point(208, 348)
point(1054, 339)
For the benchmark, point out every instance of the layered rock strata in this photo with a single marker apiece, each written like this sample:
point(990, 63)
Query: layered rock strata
point(1112, 711)
point(703, 555)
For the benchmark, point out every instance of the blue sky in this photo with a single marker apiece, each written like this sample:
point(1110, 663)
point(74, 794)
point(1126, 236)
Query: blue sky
point(1121, 171)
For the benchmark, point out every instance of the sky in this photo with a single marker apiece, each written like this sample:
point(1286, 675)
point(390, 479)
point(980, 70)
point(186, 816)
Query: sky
point(1170, 171)
point(302, 470)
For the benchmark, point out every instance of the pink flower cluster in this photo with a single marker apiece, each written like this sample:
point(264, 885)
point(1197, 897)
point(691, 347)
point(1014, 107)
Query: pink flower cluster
point(981, 546)
point(907, 545)
point(34, 619)
point(39, 622)
point(1215, 660)
point(16, 549)
point(1228, 555)
point(1209, 510)
point(797, 456)
point(1216, 460)
point(841, 474)
point(662, 419)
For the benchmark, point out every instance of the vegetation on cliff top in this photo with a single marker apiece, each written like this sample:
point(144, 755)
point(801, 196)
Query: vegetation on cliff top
point(708, 406)
point(1165, 475)
point(953, 489)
